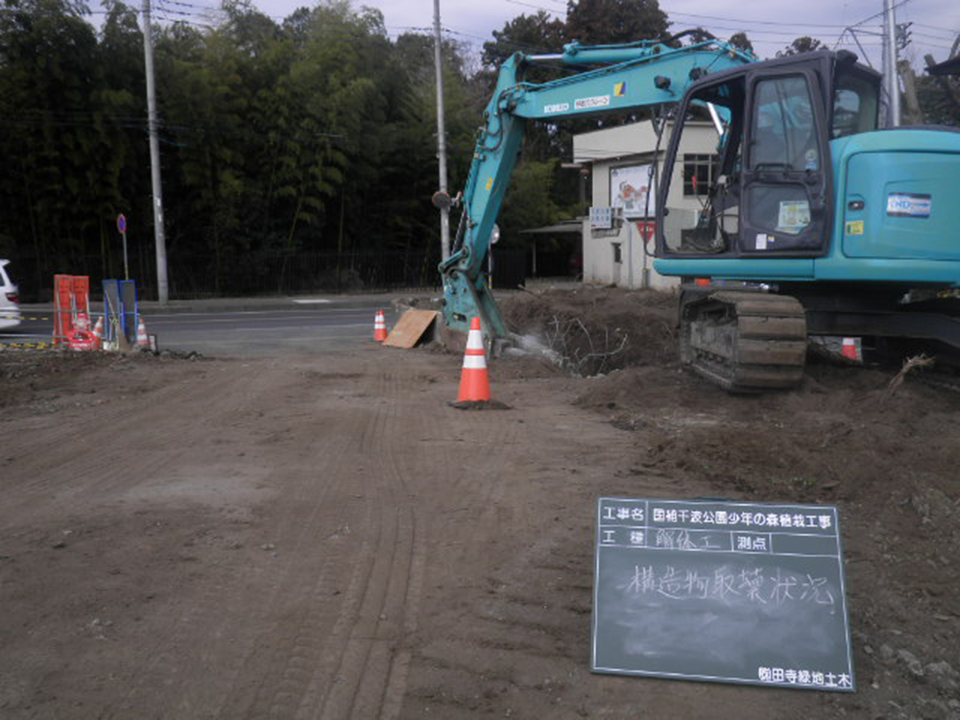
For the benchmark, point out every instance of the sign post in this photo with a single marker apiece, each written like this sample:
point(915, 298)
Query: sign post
point(732, 592)
point(122, 227)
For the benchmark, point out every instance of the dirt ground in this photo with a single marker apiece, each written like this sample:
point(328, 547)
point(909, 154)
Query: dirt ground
point(323, 536)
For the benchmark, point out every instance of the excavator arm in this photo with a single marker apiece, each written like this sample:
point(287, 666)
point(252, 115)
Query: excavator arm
point(606, 79)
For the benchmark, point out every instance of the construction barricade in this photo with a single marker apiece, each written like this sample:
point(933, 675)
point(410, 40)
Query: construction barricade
point(120, 311)
point(71, 297)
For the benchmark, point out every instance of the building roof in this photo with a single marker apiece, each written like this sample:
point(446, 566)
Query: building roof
point(947, 67)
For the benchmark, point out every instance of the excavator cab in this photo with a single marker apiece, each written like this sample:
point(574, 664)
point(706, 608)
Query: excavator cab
point(766, 213)
point(768, 189)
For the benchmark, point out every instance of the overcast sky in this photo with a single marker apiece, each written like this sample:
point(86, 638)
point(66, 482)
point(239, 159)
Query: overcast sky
point(770, 25)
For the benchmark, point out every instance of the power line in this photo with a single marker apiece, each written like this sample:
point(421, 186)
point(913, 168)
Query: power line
point(831, 26)
point(952, 33)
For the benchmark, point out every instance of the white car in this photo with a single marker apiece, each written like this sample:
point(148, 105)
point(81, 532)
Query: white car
point(9, 299)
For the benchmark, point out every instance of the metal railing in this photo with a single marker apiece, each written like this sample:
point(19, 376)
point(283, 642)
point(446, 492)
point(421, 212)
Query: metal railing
point(202, 275)
point(196, 276)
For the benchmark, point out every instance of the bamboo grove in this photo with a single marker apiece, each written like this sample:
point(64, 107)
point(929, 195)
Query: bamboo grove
point(312, 134)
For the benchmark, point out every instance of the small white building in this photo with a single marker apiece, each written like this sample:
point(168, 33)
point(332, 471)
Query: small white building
point(618, 240)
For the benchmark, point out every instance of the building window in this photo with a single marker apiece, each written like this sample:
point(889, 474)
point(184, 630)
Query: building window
point(697, 174)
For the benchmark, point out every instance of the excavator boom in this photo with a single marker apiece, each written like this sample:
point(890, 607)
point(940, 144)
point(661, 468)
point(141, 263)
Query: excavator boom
point(607, 79)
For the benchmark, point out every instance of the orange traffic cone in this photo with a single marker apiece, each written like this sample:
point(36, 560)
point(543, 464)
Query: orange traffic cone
point(142, 339)
point(850, 350)
point(98, 331)
point(379, 327)
point(474, 381)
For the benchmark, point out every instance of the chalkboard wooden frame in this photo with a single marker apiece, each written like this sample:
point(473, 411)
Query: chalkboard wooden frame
point(721, 591)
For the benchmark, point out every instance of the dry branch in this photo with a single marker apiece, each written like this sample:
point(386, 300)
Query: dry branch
point(909, 365)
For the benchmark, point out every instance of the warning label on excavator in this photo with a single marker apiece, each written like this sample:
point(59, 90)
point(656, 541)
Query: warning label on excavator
point(732, 592)
point(854, 227)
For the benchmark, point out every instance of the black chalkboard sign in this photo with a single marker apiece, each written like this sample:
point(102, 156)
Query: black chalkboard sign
point(729, 592)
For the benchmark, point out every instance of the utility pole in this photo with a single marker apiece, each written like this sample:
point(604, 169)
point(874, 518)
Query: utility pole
point(890, 69)
point(914, 114)
point(442, 198)
point(161, 242)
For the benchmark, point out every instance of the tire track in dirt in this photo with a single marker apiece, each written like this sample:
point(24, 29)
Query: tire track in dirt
point(102, 467)
point(208, 608)
point(265, 642)
point(504, 642)
point(315, 534)
point(97, 480)
point(364, 668)
point(422, 466)
point(389, 652)
point(412, 470)
point(295, 624)
point(325, 659)
point(49, 429)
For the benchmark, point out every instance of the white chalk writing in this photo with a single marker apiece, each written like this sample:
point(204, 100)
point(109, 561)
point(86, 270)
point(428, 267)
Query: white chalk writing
point(775, 587)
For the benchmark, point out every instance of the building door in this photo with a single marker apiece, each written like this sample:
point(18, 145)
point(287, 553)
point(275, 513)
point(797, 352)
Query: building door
point(617, 262)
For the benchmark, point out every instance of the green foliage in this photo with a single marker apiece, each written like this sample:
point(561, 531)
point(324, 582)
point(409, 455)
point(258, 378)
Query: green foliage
point(741, 41)
point(316, 133)
point(530, 34)
point(801, 45)
point(56, 134)
point(601, 22)
point(939, 99)
point(530, 202)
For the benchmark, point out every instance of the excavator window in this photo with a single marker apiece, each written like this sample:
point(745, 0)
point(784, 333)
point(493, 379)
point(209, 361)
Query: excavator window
point(787, 164)
point(785, 143)
point(703, 193)
point(765, 194)
point(785, 136)
point(855, 103)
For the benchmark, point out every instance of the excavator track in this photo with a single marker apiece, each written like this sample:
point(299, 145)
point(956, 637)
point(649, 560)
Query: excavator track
point(745, 342)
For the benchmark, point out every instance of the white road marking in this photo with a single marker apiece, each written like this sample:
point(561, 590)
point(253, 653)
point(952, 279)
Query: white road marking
point(279, 311)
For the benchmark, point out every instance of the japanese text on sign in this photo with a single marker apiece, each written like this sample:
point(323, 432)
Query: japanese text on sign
point(761, 583)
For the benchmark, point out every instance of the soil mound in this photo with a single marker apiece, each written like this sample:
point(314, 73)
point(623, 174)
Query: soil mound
point(596, 330)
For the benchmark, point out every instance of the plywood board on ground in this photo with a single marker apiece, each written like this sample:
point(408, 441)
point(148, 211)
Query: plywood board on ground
point(410, 328)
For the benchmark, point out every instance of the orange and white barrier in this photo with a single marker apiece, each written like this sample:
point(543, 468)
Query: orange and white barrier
point(142, 339)
point(379, 327)
point(474, 380)
point(79, 336)
point(98, 331)
point(850, 349)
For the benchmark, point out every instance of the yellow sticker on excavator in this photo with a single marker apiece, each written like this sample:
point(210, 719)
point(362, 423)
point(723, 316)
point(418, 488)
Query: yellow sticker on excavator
point(854, 227)
point(489, 184)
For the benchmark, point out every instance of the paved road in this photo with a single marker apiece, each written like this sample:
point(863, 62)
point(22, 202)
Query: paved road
point(278, 326)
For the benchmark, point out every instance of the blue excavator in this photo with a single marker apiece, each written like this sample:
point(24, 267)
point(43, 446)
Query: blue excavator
point(815, 221)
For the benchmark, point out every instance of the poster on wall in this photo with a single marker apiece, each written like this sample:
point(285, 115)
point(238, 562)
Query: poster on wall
point(630, 186)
